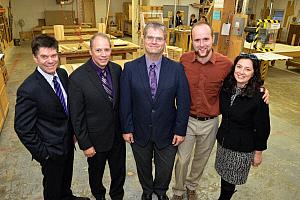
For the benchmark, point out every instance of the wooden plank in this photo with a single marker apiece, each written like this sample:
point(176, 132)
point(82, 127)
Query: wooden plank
point(4, 104)
point(3, 70)
point(79, 31)
point(3, 110)
point(2, 119)
point(4, 101)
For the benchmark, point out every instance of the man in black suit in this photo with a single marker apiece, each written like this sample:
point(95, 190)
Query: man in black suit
point(94, 108)
point(154, 110)
point(178, 21)
point(42, 120)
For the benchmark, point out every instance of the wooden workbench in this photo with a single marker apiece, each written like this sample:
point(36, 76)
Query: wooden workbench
point(295, 62)
point(71, 67)
point(265, 58)
point(282, 49)
point(38, 29)
point(81, 50)
point(73, 31)
point(77, 38)
point(182, 38)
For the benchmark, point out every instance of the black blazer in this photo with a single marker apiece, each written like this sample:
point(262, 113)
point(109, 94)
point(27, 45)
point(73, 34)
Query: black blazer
point(192, 22)
point(159, 118)
point(40, 120)
point(95, 119)
point(245, 125)
point(178, 21)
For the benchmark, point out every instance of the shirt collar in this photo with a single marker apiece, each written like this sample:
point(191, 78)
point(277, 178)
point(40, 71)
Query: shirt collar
point(48, 77)
point(149, 62)
point(98, 69)
point(212, 58)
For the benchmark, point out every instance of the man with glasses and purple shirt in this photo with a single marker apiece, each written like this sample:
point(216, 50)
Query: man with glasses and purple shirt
point(154, 110)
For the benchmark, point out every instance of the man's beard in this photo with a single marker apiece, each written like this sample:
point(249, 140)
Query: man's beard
point(203, 56)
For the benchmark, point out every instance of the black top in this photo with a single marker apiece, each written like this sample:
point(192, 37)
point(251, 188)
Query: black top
point(245, 125)
point(178, 21)
point(192, 22)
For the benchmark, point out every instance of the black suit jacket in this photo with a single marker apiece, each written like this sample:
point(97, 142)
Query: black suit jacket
point(159, 118)
point(95, 119)
point(40, 120)
point(178, 21)
point(245, 125)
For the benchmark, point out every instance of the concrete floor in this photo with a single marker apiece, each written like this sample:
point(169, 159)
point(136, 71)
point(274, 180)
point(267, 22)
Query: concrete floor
point(277, 178)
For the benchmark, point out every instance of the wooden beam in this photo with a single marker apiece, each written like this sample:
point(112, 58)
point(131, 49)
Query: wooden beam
point(135, 21)
point(289, 11)
point(226, 14)
point(263, 11)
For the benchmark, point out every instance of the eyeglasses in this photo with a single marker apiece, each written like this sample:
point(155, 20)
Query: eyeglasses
point(249, 56)
point(152, 38)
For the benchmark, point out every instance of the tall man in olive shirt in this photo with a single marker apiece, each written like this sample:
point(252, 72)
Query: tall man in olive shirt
point(206, 71)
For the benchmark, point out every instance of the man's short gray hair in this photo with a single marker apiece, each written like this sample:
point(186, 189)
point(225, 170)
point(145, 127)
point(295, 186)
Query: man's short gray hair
point(155, 25)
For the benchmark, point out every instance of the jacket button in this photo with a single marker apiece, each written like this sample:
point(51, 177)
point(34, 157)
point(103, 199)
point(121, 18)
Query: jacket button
point(153, 111)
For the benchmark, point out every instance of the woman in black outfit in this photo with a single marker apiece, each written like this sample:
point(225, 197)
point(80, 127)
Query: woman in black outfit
point(193, 19)
point(178, 21)
point(245, 126)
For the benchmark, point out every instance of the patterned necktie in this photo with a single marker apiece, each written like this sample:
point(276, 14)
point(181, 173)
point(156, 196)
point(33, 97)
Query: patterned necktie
point(153, 80)
point(106, 85)
point(59, 94)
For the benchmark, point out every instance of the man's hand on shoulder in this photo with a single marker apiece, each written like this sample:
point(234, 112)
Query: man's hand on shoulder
point(266, 95)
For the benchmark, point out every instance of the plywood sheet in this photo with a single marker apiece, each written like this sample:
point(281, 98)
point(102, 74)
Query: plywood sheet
point(64, 17)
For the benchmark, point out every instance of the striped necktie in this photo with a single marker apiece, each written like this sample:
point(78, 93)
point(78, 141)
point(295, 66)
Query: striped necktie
point(153, 80)
point(59, 94)
point(106, 85)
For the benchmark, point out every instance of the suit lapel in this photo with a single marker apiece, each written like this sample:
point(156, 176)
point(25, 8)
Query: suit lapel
point(144, 76)
point(162, 77)
point(63, 80)
point(44, 84)
point(115, 82)
point(96, 80)
point(47, 88)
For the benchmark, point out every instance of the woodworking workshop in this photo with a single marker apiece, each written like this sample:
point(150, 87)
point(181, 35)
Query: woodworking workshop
point(149, 99)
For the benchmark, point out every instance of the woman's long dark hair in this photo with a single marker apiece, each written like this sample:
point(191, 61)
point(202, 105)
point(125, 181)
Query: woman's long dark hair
point(253, 85)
